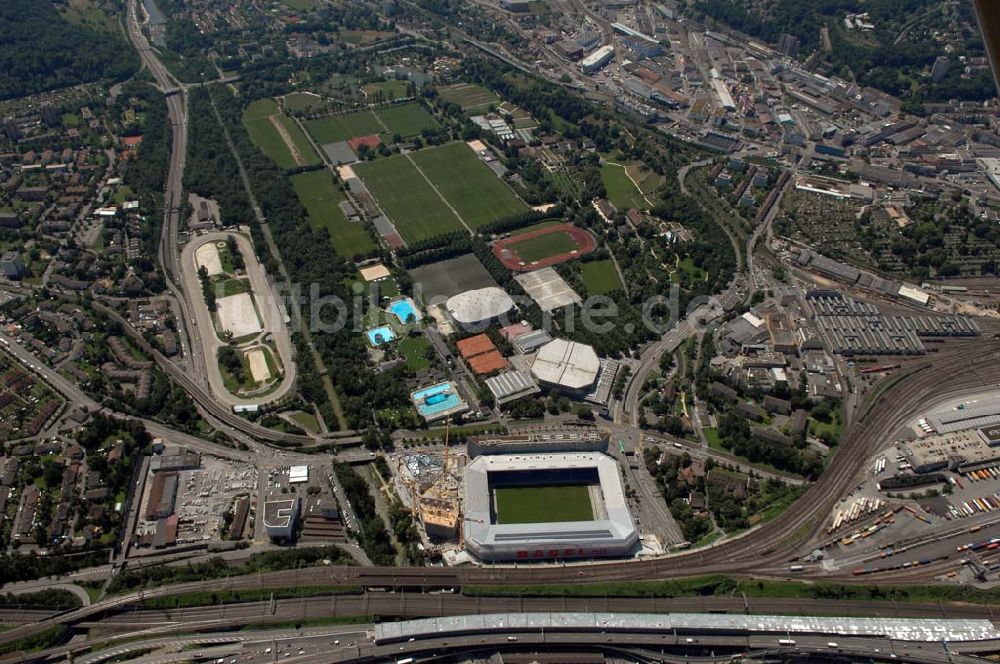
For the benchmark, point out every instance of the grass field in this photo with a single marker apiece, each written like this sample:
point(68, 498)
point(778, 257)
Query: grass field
point(320, 197)
point(543, 246)
point(413, 206)
point(468, 184)
point(337, 128)
point(543, 504)
point(600, 277)
point(305, 102)
point(259, 124)
point(414, 349)
point(391, 89)
point(621, 192)
point(406, 119)
point(469, 97)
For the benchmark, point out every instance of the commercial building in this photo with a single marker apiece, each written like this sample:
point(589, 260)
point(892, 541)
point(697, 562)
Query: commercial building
point(510, 386)
point(12, 265)
point(476, 309)
point(567, 366)
point(298, 474)
point(597, 59)
point(610, 533)
point(958, 450)
point(280, 515)
point(440, 518)
point(162, 495)
point(539, 442)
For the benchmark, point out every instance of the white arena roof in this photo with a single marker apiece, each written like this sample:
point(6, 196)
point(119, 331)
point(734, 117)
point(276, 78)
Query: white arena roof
point(478, 306)
point(567, 364)
point(612, 533)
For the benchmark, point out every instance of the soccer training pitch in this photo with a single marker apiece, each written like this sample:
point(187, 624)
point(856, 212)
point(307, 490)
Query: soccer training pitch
point(543, 504)
point(538, 247)
point(479, 196)
point(414, 207)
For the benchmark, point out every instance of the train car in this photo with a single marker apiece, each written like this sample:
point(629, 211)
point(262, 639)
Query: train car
point(795, 568)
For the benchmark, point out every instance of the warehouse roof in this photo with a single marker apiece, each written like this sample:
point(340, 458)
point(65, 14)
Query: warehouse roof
point(566, 363)
point(511, 385)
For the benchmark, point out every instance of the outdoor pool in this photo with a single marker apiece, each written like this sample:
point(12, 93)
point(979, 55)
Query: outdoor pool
point(403, 309)
point(437, 399)
point(378, 336)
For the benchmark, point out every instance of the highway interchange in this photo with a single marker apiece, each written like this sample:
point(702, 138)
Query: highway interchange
point(962, 368)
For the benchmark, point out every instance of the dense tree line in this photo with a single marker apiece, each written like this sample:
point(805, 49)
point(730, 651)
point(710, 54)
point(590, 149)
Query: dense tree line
point(313, 265)
point(217, 568)
point(209, 171)
point(374, 537)
point(734, 432)
point(39, 50)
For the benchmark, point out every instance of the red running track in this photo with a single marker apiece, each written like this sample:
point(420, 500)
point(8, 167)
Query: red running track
point(507, 255)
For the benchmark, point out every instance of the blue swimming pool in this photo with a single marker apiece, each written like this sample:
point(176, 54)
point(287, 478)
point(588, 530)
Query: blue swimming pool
point(403, 309)
point(378, 336)
point(438, 400)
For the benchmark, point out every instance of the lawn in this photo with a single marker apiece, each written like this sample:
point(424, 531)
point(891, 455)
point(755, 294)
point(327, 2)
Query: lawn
point(621, 191)
point(258, 123)
point(305, 420)
point(336, 128)
point(469, 97)
point(543, 504)
point(414, 349)
point(391, 89)
point(406, 119)
point(415, 208)
point(600, 277)
point(543, 246)
point(468, 184)
point(320, 197)
point(304, 101)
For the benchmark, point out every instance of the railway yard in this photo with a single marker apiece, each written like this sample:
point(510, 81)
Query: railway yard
point(802, 465)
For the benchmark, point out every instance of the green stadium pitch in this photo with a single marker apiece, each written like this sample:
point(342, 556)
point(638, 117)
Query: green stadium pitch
point(543, 504)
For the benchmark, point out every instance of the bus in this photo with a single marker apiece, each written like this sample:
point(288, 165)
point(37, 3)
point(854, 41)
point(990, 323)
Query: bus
point(621, 447)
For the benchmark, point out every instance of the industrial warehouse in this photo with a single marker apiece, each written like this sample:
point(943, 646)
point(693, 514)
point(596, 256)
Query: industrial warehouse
point(546, 506)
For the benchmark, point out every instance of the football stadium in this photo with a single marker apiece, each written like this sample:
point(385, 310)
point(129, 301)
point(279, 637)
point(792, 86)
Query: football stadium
point(546, 506)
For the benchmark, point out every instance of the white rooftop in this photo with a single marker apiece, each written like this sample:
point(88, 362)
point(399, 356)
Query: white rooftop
point(298, 474)
point(568, 364)
point(476, 306)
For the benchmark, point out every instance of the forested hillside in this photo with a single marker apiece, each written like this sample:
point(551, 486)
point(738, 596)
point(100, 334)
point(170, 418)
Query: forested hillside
point(40, 50)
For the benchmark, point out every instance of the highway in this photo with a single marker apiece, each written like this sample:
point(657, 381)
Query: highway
point(156, 629)
point(773, 544)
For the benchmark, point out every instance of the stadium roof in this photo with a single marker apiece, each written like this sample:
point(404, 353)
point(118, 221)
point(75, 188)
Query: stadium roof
point(480, 305)
point(568, 364)
point(612, 533)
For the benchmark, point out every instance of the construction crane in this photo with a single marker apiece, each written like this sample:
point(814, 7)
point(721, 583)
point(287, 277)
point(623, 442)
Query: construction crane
point(447, 431)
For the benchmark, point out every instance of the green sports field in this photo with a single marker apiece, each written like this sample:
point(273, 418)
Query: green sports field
point(468, 184)
point(391, 89)
point(536, 248)
point(336, 128)
point(414, 207)
point(406, 119)
point(258, 122)
point(543, 504)
point(320, 197)
point(621, 192)
point(600, 277)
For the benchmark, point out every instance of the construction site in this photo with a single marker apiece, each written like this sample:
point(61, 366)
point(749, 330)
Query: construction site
point(430, 484)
